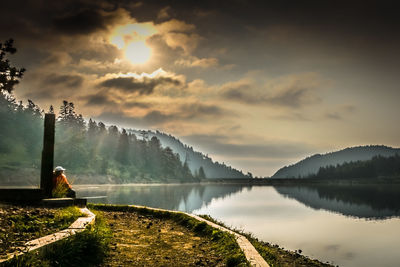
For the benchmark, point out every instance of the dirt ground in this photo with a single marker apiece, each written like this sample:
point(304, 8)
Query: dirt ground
point(145, 241)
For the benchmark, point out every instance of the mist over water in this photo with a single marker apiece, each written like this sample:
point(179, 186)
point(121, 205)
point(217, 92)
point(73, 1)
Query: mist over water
point(345, 225)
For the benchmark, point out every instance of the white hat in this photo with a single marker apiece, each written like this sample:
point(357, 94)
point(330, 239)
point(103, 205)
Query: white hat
point(59, 168)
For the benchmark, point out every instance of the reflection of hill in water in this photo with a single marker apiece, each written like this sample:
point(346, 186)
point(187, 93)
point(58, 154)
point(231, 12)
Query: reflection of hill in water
point(175, 197)
point(362, 201)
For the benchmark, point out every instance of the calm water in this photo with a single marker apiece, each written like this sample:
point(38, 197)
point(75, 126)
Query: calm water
point(345, 225)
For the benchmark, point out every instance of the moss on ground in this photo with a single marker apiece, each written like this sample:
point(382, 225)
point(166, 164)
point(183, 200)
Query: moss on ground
point(213, 243)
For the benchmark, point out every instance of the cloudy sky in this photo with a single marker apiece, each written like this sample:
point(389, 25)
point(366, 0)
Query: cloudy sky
point(255, 84)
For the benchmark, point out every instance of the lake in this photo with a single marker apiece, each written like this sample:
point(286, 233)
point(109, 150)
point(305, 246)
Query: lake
point(344, 225)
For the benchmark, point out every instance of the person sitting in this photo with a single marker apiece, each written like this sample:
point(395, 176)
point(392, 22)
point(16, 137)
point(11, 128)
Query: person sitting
point(61, 187)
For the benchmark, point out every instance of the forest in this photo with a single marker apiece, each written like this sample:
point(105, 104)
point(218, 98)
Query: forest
point(95, 153)
point(90, 149)
point(376, 167)
point(195, 159)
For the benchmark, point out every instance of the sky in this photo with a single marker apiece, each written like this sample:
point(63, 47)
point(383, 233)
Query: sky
point(255, 84)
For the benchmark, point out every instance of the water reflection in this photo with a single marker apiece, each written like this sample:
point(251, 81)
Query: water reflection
point(361, 201)
point(183, 197)
point(325, 222)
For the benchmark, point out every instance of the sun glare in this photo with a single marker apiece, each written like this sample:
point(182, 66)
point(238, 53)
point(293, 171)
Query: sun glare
point(137, 52)
point(131, 38)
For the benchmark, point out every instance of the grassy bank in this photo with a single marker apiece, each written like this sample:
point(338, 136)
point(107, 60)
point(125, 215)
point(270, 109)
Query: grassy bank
point(19, 224)
point(87, 248)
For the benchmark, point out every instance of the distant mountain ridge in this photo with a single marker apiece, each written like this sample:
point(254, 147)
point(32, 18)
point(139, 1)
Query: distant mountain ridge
point(311, 165)
point(194, 158)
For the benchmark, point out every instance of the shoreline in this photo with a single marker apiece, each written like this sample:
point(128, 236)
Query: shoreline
point(200, 227)
point(240, 181)
point(272, 254)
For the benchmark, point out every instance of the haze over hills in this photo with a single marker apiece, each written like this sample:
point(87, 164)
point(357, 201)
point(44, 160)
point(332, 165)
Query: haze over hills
point(311, 165)
point(194, 158)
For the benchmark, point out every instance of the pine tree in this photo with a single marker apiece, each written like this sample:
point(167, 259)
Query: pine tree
point(92, 128)
point(122, 154)
point(186, 173)
point(9, 76)
point(202, 174)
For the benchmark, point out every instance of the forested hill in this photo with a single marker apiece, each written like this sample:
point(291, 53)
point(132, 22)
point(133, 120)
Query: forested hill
point(376, 167)
point(311, 165)
point(92, 152)
point(194, 159)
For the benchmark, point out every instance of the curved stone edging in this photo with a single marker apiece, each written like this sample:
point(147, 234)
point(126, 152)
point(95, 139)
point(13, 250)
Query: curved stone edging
point(251, 254)
point(76, 227)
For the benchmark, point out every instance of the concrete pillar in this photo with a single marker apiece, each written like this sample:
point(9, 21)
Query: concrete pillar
point(46, 174)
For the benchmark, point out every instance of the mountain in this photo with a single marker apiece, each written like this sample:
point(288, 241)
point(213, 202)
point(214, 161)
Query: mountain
point(194, 158)
point(311, 165)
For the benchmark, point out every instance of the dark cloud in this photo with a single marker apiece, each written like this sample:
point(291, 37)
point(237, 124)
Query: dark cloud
point(84, 21)
point(294, 97)
point(134, 104)
point(333, 116)
point(53, 86)
point(341, 113)
point(102, 52)
point(150, 119)
point(185, 112)
point(157, 117)
point(143, 86)
point(198, 109)
point(66, 80)
point(220, 145)
point(99, 100)
point(103, 99)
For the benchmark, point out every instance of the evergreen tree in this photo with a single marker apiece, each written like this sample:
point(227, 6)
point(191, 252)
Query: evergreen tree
point(186, 173)
point(9, 76)
point(122, 154)
point(202, 174)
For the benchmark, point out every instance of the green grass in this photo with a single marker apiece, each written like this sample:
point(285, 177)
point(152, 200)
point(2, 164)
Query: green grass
point(225, 243)
point(27, 224)
point(83, 249)
point(33, 223)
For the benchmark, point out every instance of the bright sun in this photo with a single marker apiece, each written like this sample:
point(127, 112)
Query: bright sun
point(131, 38)
point(137, 52)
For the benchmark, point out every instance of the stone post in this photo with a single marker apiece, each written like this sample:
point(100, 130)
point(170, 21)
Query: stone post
point(46, 174)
